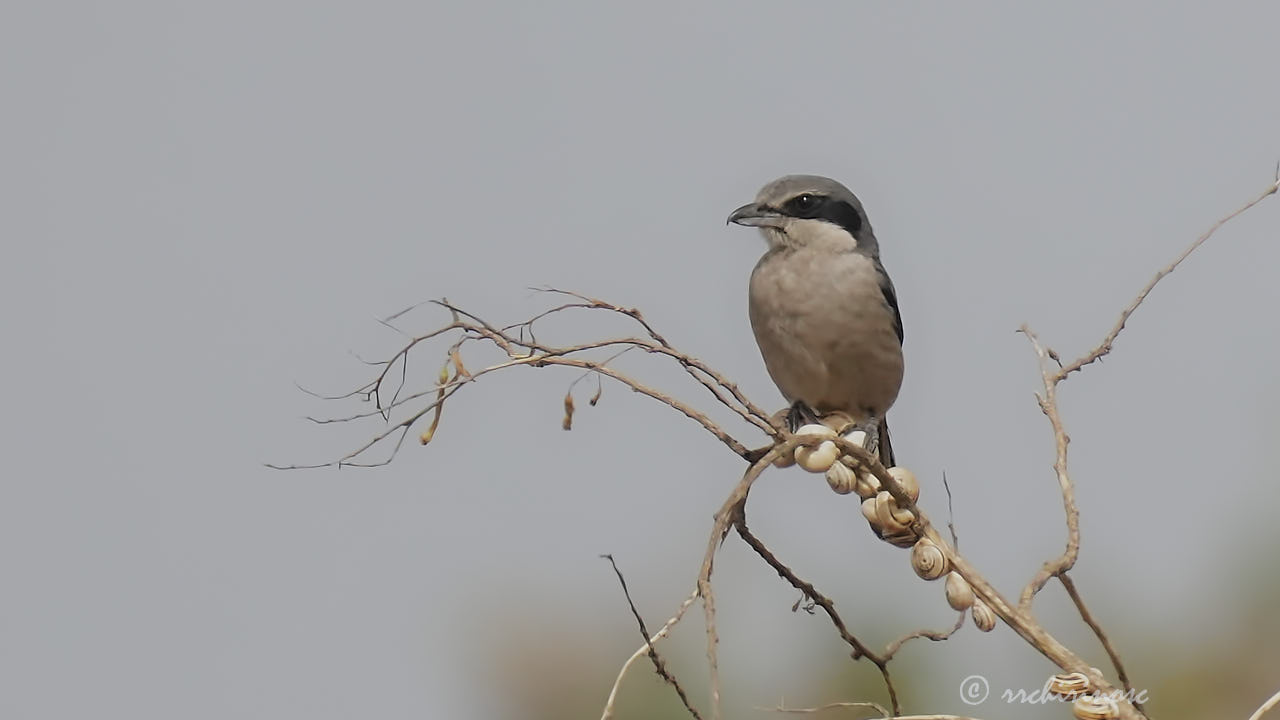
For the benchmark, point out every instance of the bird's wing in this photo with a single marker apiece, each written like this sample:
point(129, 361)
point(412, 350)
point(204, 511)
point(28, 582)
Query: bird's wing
point(890, 298)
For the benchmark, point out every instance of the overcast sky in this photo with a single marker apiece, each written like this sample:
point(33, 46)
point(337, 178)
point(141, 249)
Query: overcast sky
point(205, 203)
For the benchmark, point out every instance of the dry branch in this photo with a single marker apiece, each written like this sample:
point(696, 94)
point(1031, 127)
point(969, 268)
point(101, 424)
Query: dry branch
point(1069, 585)
point(867, 705)
point(1048, 398)
point(1266, 707)
point(644, 650)
point(659, 665)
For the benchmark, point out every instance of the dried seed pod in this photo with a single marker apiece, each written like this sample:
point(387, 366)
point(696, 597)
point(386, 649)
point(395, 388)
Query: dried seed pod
point(959, 594)
point(983, 616)
point(907, 480)
point(841, 478)
point(1069, 686)
point(817, 459)
point(1092, 707)
point(927, 560)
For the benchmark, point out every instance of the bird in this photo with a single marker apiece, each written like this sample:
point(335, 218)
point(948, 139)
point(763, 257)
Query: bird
point(822, 307)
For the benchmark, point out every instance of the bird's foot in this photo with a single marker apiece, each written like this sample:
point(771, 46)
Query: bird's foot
point(874, 436)
point(846, 426)
point(800, 415)
point(870, 426)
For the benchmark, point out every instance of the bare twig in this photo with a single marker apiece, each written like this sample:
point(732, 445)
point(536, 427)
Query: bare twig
point(1069, 585)
point(698, 370)
point(1019, 620)
point(1104, 347)
point(590, 302)
point(728, 513)
point(530, 352)
point(865, 705)
point(658, 664)
point(951, 514)
point(831, 706)
point(1266, 707)
point(1022, 623)
point(644, 650)
point(1048, 401)
point(860, 650)
point(934, 635)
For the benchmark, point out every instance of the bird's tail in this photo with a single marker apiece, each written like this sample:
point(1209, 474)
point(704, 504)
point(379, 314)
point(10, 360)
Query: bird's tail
point(885, 447)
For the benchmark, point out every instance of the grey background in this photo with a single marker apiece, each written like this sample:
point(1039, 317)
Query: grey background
point(206, 202)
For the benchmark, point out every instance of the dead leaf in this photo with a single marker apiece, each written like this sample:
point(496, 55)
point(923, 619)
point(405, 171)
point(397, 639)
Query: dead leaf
point(567, 424)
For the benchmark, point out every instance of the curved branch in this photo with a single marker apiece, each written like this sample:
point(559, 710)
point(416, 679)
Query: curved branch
point(729, 511)
point(1047, 399)
point(934, 635)
point(643, 650)
point(860, 650)
point(1266, 707)
point(1069, 585)
point(1104, 347)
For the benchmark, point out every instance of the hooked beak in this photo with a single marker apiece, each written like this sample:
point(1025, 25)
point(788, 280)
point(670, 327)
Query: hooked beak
point(755, 215)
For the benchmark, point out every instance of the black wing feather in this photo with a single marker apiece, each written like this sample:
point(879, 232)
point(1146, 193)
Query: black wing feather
point(891, 299)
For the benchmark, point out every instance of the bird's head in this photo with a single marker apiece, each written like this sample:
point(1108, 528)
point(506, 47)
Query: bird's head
point(809, 211)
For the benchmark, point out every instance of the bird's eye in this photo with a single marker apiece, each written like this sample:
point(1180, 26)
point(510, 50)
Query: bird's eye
point(802, 205)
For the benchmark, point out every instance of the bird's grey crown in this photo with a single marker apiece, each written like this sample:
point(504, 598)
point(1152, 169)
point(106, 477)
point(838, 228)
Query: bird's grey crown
point(789, 186)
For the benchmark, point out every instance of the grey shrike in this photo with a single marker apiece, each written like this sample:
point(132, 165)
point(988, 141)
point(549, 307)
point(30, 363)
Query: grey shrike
point(822, 306)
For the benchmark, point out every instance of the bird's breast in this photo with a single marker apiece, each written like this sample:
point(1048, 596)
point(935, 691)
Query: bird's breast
point(826, 331)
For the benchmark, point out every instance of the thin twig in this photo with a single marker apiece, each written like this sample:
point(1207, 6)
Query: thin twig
point(831, 706)
point(860, 650)
point(867, 705)
point(591, 302)
point(1069, 585)
point(1266, 707)
point(934, 635)
point(642, 651)
point(706, 376)
point(552, 357)
point(1048, 401)
point(1105, 346)
point(1022, 622)
point(951, 515)
point(658, 664)
point(724, 518)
